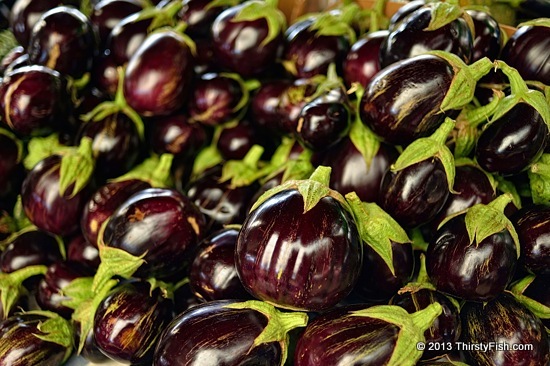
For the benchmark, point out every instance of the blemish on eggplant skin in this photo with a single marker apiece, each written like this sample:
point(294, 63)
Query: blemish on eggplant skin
point(193, 222)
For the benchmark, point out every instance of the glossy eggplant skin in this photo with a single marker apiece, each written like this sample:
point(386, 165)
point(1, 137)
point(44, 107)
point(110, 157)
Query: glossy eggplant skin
point(29, 249)
point(51, 212)
point(297, 260)
point(238, 43)
point(128, 323)
point(64, 40)
point(376, 283)
point(11, 56)
point(469, 271)
point(115, 144)
point(199, 17)
point(158, 76)
point(414, 195)
point(218, 201)
point(528, 51)
point(264, 105)
point(229, 340)
point(338, 336)
point(362, 61)
point(311, 54)
point(107, 13)
point(83, 252)
point(512, 143)
point(213, 275)
point(126, 37)
point(504, 320)
point(21, 347)
point(446, 327)
point(32, 98)
point(176, 135)
point(402, 102)
point(488, 38)
point(351, 173)
point(409, 38)
point(533, 227)
point(235, 141)
point(104, 202)
point(161, 224)
point(50, 295)
point(24, 15)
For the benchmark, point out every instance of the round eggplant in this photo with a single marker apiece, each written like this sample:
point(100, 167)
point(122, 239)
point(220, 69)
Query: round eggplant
point(30, 248)
point(362, 61)
point(129, 321)
point(488, 37)
point(107, 14)
point(533, 227)
point(296, 257)
point(501, 325)
point(238, 333)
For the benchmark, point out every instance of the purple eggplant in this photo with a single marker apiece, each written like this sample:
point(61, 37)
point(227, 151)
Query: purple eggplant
point(236, 141)
point(361, 335)
point(215, 99)
point(177, 136)
point(264, 105)
point(33, 99)
point(528, 50)
point(513, 142)
point(30, 248)
point(213, 275)
point(129, 321)
point(473, 257)
point(533, 225)
point(107, 14)
point(27, 341)
point(126, 37)
point(83, 252)
point(362, 61)
point(488, 40)
point(410, 37)
point(199, 16)
point(49, 294)
point(162, 225)
point(237, 335)
point(11, 56)
point(11, 150)
point(501, 325)
point(46, 205)
point(298, 253)
point(25, 14)
point(243, 39)
point(158, 76)
point(64, 40)
point(402, 102)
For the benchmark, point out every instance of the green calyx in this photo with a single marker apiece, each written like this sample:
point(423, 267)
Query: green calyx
point(411, 329)
point(312, 190)
point(360, 135)
point(11, 285)
point(7, 42)
point(155, 170)
point(162, 17)
point(422, 280)
point(539, 180)
point(292, 169)
point(118, 105)
point(241, 173)
point(464, 82)
point(483, 221)
point(540, 310)
point(77, 167)
point(55, 329)
point(334, 24)
point(539, 22)
point(468, 122)
point(377, 228)
point(278, 323)
point(430, 147)
point(276, 20)
point(39, 148)
point(520, 93)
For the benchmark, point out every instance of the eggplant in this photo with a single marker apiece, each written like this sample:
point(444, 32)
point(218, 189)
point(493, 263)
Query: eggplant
point(239, 333)
point(500, 325)
point(83, 252)
point(107, 14)
point(510, 144)
point(528, 50)
point(297, 251)
point(361, 335)
point(11, 56)
point(162, 226)
point(488, 39)
point(33, 99)
point(473, 257)
point(158, 75)
point(248, 38)
point(362, 61)
point(64, 40)
point(532, 225)
point(402, 102)
point(264, 105)
point(176, 135)
point(199, 15)
point(29, 248)
point(412, 37)
point(25, 14)
point(126, 37)
point(35, 339)
point(129, 321)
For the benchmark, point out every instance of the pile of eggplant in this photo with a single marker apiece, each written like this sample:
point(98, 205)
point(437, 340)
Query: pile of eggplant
point(198, 182)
